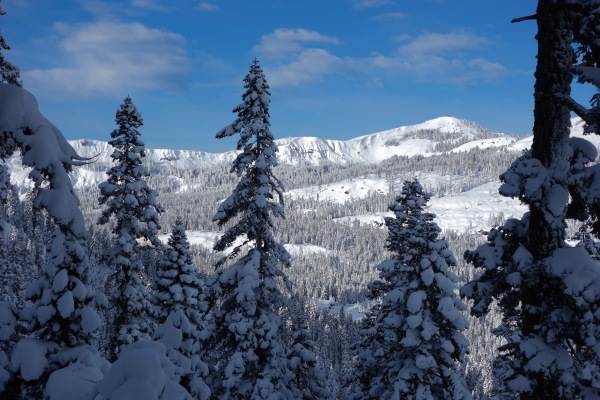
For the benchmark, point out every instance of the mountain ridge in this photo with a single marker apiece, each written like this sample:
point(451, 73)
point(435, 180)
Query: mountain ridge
point(369, 148)
point(438, 136)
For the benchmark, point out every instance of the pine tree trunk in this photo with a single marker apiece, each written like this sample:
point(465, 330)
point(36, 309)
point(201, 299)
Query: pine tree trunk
point(550, 141)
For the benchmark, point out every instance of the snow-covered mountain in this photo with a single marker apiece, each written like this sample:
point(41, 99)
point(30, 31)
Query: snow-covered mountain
point(434, 137)
point(421, 139)
point(470, 209)
point(437, 136)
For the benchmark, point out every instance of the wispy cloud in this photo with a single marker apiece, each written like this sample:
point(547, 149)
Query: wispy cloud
point(446, 57)
point(108, 57)
point(294, 57)
point(204, 6)
point(298, 56)
point(311, 65)
point(443, 43)
point(283, 42)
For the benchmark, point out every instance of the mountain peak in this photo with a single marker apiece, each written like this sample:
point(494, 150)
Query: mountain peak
point(440, 122)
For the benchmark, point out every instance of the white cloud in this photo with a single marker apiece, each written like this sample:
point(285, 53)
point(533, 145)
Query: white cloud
point(204, 6)
point(443, 43)
point(433, 57)
point(283, 42)
point(107, 57)
point(443, 57)
point(296, 61)
point(310, 65)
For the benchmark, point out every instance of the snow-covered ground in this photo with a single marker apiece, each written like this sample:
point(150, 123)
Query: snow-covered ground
point(469, 210)
point(356, 311)
point(472, 209)
point(340, 192)
point(208, 239)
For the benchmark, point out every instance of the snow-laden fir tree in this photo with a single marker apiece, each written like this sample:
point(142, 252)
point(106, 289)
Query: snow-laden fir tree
point(61, 316)
point(549, 292)
point(9, 73)
point(132, 205)
point(411, 342)
point(309, 381)
point(249, 342)
point(183, 328)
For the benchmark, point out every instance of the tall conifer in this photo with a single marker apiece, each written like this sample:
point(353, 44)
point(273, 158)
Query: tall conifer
point(135, 210)
point(246, 295)
point(412, 341)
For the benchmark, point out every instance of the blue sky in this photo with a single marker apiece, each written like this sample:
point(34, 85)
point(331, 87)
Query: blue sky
point(337, 68)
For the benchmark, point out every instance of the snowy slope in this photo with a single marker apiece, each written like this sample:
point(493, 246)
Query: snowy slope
point(376, 147)
point(208, 239)
point(469, 210)
point(372, 148)
point(340, 192)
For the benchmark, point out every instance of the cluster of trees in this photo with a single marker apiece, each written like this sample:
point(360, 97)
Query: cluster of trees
point(166, 330)
point(174, 336)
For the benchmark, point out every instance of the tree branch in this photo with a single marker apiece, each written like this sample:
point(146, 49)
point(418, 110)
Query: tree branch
point(574, 106)
point(527, 18)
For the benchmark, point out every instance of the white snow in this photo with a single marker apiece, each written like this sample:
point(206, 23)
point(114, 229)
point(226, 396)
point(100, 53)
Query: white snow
point(469, 210)
point(84, 368)
point(29, 357)
point(356, 310)
point(207, 240)
point(343, 191)
point(143, 371)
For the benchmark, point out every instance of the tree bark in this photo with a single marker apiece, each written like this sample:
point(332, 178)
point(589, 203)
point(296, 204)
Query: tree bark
point(551, 132)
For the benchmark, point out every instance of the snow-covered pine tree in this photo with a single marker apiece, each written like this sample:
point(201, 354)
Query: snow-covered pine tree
point(246, 297)
point(61, 316)
point(549, 292)
point(9, 73)
point(309, 381)
point(183, 328)
point(412, 340)
point(133, 206)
